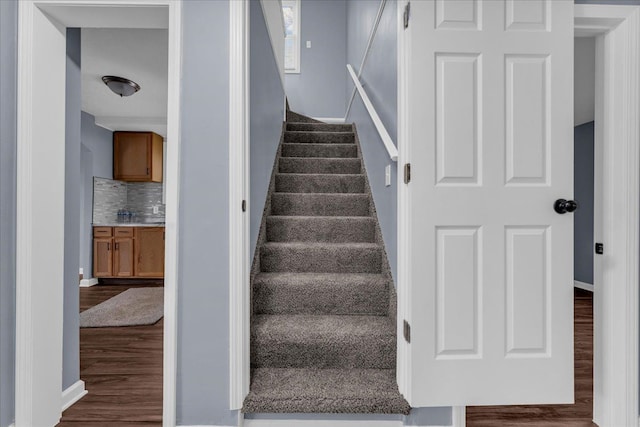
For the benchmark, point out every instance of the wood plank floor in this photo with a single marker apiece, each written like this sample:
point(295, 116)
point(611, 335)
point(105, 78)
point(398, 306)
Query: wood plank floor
point(577, 415)
point(121, 368)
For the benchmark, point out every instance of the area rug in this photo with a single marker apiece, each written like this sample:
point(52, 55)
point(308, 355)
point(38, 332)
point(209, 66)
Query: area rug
point(133, 307)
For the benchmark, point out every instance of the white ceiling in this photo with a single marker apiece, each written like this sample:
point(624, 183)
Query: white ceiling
point(137, 54)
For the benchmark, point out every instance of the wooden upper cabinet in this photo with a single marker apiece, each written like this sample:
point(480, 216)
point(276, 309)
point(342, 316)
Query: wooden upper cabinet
point(137, 156)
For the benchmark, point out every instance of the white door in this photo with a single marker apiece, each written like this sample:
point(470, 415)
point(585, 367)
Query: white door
point(490, 107)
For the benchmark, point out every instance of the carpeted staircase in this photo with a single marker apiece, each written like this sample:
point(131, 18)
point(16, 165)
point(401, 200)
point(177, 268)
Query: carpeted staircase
point(323, 335)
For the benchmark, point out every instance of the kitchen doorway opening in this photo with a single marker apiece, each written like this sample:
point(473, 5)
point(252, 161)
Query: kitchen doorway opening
point(41, 334)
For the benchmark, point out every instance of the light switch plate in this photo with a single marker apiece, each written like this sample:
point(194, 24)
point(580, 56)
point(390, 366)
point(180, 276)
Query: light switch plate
point(308, 44)
point(387, 176)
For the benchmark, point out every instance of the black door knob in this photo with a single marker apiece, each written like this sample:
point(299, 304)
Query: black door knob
point(563, 206)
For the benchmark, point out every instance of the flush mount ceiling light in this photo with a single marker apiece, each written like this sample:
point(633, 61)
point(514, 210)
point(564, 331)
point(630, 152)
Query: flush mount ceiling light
point(120, 85)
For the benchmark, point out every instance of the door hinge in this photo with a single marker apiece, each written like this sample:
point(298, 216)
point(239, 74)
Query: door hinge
point(244, 206)
point(407, 332)
point(407, 173)
point(407, 11)
point(599, 248)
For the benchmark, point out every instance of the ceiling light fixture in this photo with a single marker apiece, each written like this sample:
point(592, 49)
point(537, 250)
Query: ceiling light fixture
point(120, 85)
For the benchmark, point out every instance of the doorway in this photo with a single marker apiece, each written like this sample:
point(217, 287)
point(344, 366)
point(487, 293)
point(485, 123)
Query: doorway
point(616, 274)
point(40, 229)
point(584, 164)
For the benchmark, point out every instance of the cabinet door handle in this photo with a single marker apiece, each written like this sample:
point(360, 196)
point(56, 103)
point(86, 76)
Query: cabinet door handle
point(117, 246)
point(147, 171)
point(108, 246)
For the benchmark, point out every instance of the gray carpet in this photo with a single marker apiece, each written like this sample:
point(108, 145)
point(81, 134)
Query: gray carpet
point(323, 336)
point(133, 307)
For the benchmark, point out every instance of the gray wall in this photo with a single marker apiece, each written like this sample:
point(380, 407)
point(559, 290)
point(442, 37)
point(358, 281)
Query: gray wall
point(71, 331)
point(583, 242)
point(319, 89)
point(380, 81)
point(8, 55)
point(203, 282)
point(267, 113)
point(96, 154)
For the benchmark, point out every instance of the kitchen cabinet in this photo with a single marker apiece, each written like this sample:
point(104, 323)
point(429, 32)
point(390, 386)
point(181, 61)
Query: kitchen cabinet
point(123, 252)
point(102, 252)
point(137, 156)
point(149, 251)
point(128, 252)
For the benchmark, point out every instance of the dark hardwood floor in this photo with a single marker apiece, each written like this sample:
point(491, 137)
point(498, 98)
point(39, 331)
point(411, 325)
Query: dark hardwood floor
point(577, 415)
point(121, 368)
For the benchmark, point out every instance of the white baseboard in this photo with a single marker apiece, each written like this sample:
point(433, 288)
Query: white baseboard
point(331, 120)
point(86, 283)
point(582, 285)
point(72, 394)
point(459, 416)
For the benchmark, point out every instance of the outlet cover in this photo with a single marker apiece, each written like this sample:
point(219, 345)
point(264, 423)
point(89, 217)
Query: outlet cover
point(156, 209)
point(387, 176)
point(308, 44)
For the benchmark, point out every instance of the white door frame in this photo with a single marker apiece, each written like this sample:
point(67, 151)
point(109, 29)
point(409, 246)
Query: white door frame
point(239, 258)
point(616, 311)
point(40, 185)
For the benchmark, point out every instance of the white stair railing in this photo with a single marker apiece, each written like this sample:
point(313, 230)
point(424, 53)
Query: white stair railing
point(382, 131)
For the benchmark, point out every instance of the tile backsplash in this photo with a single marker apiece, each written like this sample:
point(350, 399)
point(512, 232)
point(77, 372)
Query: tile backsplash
point(109, 196)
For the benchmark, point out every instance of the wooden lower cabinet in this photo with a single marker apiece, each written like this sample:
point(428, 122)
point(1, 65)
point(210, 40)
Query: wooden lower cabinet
point(123, 257)
point(149, 252)
point(102, 257)
point(130, 252)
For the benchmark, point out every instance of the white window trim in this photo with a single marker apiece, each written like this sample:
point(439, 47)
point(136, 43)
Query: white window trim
point(296, 47)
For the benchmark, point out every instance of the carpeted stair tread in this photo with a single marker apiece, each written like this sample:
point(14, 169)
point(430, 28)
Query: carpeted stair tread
point(313, 257)
point(310, 204)
point(320, 127)
point(319, 183)
point(337, 229)
point(323, 321)
point(321, 293)
point(323, 341)
point(289, 390)
point(319, 150)
point(319, 137)
point(311, 165)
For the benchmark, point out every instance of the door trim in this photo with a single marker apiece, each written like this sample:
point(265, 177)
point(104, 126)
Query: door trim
point(239, 301)
point(32, 322)
point(617, 135)
point(616, 319)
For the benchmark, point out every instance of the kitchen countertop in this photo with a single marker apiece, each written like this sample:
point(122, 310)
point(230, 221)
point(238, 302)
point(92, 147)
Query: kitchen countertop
point(130, 224)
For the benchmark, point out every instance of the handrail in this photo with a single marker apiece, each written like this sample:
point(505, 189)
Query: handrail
point(367, 49)
point(382, 131)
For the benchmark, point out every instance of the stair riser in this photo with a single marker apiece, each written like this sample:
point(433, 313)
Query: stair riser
point(321, 298)
point(319, 127)
point(320, 229)
point(320, 150)
point(310, 165)
point(322, 259)
point(319, 204)
point(319, 137)
point(358, 352)
point(287, 183)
